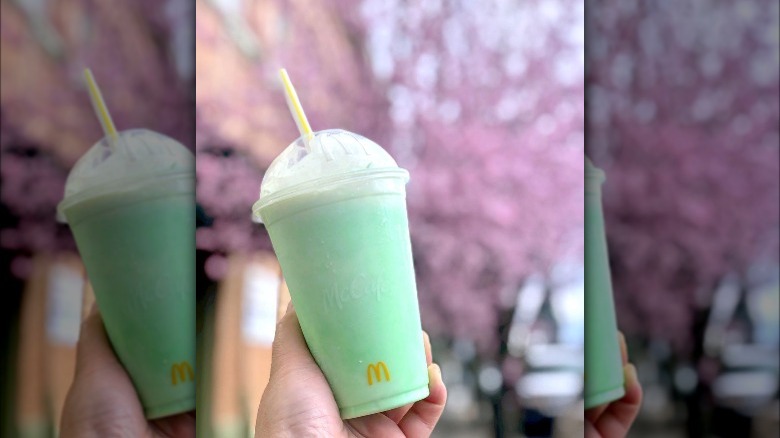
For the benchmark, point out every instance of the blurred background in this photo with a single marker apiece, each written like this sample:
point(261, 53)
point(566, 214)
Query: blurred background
point(141, 53)
point(483, 103)
point(682, 114)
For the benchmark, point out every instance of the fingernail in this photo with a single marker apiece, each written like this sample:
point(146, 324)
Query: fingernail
point(629, 375)
point(289, 308)
point(434, 373)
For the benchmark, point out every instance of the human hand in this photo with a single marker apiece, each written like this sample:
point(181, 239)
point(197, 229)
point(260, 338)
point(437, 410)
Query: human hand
point(614, 419)
point(299, 402)
point(102, 401)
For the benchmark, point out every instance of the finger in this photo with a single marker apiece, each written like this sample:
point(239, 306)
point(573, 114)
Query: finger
point(633, 395)
point(101, 387)
point(593, 414)
point(623, 348)
point(289, 350)
point(590, 430)
point(373, 425)
point(93, 309)
point(93, 350)
point(619, 416)
point(398, 413)
point(297, 391)
point(427, 343)
point(181, 425)
point(423, 416)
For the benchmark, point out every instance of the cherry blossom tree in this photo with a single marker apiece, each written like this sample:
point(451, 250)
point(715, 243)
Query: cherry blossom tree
point(482, 103)
point(683, 117)
point(46, 117)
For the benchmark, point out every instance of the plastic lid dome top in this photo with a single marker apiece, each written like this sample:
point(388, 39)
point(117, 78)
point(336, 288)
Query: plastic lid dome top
point(328, 157)
point(137, 158)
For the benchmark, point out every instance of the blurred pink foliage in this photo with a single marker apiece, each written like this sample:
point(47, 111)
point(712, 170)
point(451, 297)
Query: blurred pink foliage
point(482, 103)
point(242, 118)
point(47, 119)
point(683, 117)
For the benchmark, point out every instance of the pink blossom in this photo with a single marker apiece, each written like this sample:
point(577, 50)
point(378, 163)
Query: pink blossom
point(684, 122)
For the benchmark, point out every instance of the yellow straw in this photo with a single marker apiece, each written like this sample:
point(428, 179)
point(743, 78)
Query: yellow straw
point(99, 105)
point(295, 105)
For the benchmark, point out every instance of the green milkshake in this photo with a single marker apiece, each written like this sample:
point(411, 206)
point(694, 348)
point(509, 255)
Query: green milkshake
point(129, 202)
point(603, 365)
point(334, 204)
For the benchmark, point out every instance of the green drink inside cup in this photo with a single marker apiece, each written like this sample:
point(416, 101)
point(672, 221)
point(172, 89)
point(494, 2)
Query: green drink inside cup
point(334, 204)
point(603, 365)
point(129, 202)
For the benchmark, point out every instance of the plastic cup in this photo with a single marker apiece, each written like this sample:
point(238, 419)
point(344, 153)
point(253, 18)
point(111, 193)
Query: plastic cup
point(603, 364)
point(129, 202)
point(334, 204)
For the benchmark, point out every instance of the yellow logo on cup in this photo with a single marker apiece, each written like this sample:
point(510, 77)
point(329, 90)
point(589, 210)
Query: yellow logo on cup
point(376, 368)
point(183, 370)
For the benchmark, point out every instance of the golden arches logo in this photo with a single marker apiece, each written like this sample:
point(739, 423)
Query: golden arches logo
point(183, 370)
point(377, 368)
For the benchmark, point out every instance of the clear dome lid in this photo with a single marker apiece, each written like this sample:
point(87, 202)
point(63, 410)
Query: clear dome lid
point(139, 158)
point(326, 157)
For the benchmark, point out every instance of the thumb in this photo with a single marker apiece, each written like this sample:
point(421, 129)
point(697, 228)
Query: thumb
point(290, 352)
point(96, 362)
point(101, 395)
point(297, 393)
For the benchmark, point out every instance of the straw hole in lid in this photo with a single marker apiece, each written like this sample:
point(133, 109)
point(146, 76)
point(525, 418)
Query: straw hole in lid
point(99, 158)
point(300, 154)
